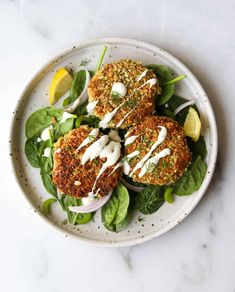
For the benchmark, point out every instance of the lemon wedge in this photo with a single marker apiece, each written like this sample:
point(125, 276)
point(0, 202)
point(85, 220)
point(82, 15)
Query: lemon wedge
point(192, 125)
point(60, 84)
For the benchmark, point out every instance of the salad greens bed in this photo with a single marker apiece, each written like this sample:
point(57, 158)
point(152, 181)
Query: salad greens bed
point(116, 213)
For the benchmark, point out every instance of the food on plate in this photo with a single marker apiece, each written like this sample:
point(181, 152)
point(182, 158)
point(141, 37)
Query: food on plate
point(157, 152)
point(86, 162)
point(123, 142)
point(123, 93)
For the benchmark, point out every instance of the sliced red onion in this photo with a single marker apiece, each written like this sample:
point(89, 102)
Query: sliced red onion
point(132, 187)
point(82, 97)
point(184, 105)
point(93, 206)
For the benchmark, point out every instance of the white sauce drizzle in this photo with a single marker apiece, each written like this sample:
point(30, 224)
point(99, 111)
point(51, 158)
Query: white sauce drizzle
point(126, 168)
point(95, 149)
point(65, 117)
point(87, 201)
point(161, 137)
point(120, 164)
point(142, 75)
point(47, 152)
point(152, 82)
point(131, 139)
point(120, 88)
point(154, 160)
point(93, 134)
point(126, 165)
point(113, 135)
point(109, 116)
point(91, 106)
point(39, 139)
point(112, 152)
point(45, 135)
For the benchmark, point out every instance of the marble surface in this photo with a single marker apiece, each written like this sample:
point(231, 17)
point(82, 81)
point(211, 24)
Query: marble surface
point(199, 254)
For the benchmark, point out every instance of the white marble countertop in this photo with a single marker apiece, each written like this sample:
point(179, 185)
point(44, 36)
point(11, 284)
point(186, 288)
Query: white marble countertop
point(199, 254)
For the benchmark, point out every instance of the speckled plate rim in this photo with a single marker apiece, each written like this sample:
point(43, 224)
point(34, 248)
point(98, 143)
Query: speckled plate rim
point(211, 163)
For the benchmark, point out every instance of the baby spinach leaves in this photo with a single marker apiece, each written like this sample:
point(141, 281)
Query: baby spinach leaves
point(31, 151)
point(150, 199)
point(192, 179)
point(41, 119)
point(77, 87)
point(115, 214)
point(199, 147)
point(164, 75)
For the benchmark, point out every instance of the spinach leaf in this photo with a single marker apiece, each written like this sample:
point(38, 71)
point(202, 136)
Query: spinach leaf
point(41, 119)
point(77, 87)
point(150, 199)
point(192, 179)
point(91, 121)
point(46, 205)
point(31, 151)
point(198, 148)
point(75, 218)
point(174, 102)
point(48, 184)
point(164, 75)
point(115, 213)
point(60, 129)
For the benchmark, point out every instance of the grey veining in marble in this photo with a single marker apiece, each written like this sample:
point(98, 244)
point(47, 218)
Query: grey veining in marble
point(199, 254)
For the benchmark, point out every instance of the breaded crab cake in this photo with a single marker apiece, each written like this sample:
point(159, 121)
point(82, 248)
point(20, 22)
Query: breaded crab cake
point(74, 178)
point(123, 93)
point(156, 151)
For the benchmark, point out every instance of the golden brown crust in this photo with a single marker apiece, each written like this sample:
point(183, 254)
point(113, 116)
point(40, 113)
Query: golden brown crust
point(73, 178)
point(142, 100)
point(169, 168)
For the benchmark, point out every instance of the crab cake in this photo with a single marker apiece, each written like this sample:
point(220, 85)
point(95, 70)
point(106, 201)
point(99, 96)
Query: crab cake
point(74, 177)
point(159, 146)
point(123, 93)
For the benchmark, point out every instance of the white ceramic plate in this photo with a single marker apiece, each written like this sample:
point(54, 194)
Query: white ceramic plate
point(35, 96)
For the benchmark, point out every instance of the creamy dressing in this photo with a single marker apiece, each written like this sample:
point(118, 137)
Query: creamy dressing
point(131, 139)
point(109, 116)
point(46, 133)
point(126, 168)
point(119, 88)
point(39, 139)
point(126, 165)
point(161, 137)
point(120, 164)
point(142, 75)
point(91, 107)
point(113, 135)
point(112, 152)
point(65, 117)
point(87, 201)
point(95, 149)
point(154, 160)
point(91, 136)
point(152, 82)
point(47, 152)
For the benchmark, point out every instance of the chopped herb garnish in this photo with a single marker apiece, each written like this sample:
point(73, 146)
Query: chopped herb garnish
point(91, 137)
point(141, 219)
point(150, 167)
point(84, 62)
point(115, 97)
